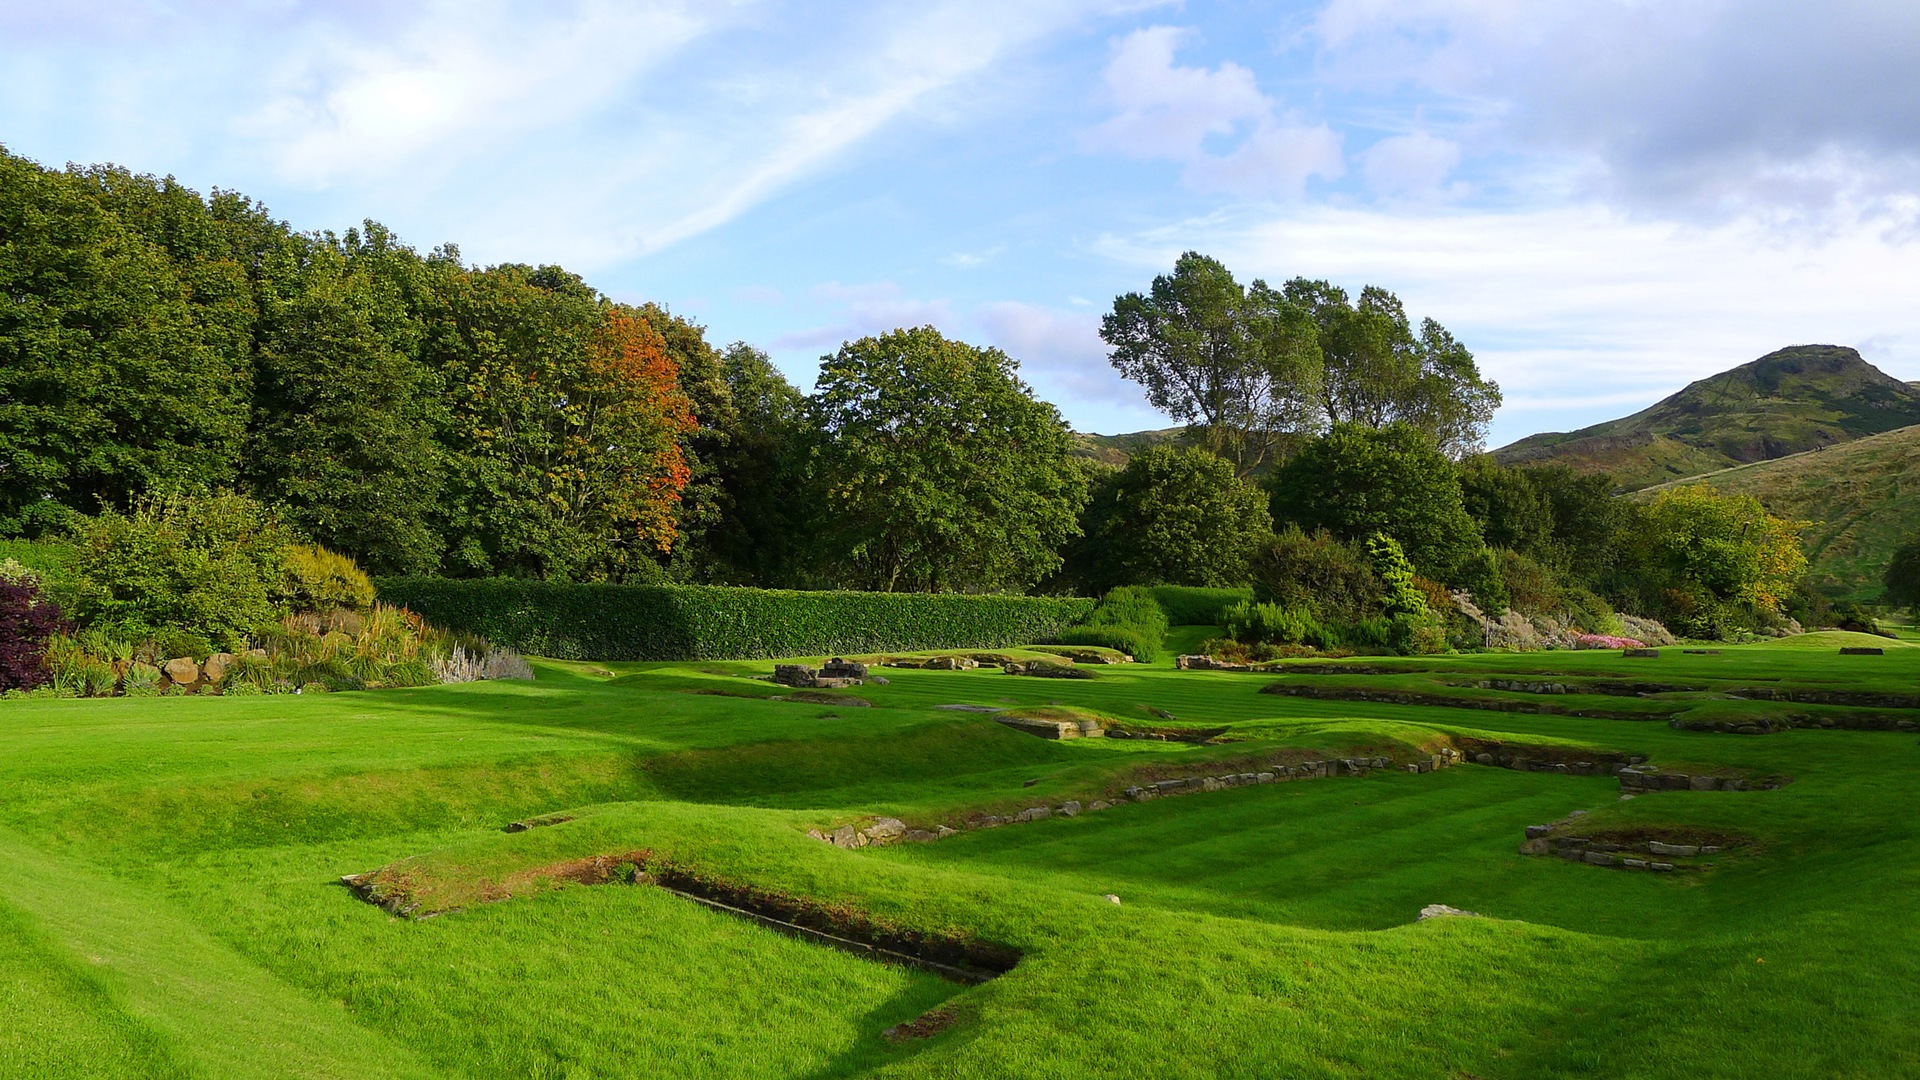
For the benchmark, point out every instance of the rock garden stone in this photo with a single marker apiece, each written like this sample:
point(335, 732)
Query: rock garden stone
point(886, 828)
point(1438, 911)
point(182, 671)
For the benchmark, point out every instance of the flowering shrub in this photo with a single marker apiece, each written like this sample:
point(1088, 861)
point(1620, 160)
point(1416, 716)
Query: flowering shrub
point(1606, 641)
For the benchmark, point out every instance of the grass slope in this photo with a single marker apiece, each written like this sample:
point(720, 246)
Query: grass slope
point(169, 903)
point(1863, 498)
point(1786, 402)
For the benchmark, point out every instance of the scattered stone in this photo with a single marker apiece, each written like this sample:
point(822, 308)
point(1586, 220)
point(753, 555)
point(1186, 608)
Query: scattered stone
point(1634, 864)
point(1641, 654)
point(1436, 911)
point(794, 675)
point(837, 668)
point(216, 666)
point(879, 680)
point(1535, 846)
point(1034, 813)
point(886, 828)
point(1070, 808)
point(1599, 858)
point(846, 836)
point(1097, 805)
point(1111, 899)
point(1662, 867)
point(919, 836)
point(1659, 848)
point(944, 831)
point(1534, 832)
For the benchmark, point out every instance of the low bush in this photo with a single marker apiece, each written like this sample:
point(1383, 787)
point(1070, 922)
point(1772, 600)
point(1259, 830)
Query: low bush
point(322, 580)
point(1130, 613)
point(1125, 638)
point(1330, 577)
point(1191, 605)
point(713, 622)
point(28, 622)
point(1273, 624)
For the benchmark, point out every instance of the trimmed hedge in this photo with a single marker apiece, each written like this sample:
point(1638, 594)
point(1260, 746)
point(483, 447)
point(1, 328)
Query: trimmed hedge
point(711, 622)
point(1188, 605)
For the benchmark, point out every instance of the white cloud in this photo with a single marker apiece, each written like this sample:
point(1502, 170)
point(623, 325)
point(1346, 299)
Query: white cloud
point(1710, 109)
point(1583, 304)
point(1169, 112)
point(862, 310)
point(1061, 353)
point(1413, 164)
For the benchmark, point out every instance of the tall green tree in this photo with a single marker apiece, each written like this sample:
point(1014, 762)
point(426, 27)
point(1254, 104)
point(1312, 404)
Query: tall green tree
point(1512, 512)
point(938, 468)
point(113, 381)
point(344, 413)
point(764, 509)
point(1173, 516)
point(1240, 366)
point(1357, 481)
point(1707, 562)
point(1378, 371)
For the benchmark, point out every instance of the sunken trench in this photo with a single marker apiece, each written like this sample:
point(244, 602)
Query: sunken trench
point(964, 959)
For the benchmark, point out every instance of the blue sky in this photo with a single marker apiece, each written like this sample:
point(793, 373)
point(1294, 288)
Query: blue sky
point(1603, 199)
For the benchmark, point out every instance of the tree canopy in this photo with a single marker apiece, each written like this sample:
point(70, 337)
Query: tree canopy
point(941, 470)
point(1358, 481)
point(1377, 371)
point(1239, 365)
point(1173, 516)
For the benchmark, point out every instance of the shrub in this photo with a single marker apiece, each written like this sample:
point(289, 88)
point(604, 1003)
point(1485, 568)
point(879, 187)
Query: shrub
point(1125, 638)
point(28, 622)
point(1192, 605)
point(1129, 614)
point(321, 580)
point(1479, 574)
point(1273, 624)
point(713, 622)
point(1330, 577)
point(140, 680)
point(1396, 576)
point(1417, 634)
point(208, 564)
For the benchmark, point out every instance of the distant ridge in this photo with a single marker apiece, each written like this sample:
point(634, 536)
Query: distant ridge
point(1117, 449)
point(1787, 402)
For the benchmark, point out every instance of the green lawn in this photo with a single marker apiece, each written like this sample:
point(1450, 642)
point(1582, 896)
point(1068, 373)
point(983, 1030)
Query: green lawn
point(170, 901)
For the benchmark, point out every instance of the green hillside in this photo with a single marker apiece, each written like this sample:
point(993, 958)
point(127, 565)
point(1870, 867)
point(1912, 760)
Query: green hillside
point(1787, 402)
point(1862, 496)
point(1117, 449)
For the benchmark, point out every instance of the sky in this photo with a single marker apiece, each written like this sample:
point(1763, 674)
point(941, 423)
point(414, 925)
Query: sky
point(1603, 199)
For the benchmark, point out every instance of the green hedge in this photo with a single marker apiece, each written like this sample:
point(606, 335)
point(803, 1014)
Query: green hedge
point(712, 622)
point(1188, 605)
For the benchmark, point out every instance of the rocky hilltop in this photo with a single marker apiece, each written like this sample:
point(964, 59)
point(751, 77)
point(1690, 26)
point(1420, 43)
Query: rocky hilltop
point(1787, 402)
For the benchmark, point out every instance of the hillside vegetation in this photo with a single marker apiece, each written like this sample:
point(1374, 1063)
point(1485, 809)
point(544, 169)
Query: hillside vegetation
point(1787, 402)
point(1863, 498)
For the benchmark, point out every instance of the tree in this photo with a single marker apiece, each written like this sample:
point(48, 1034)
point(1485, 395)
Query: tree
point(1903, 575)
point(1174, 517)
point(1333, 578)
point(763, 512)
point(112, 380)
point(1512, 513)
point(1242, 367)
point(1379, 372)
point(938, 468)
point(1711, 562)
point(344, 412)
point(1357, 481)
point(563, 425)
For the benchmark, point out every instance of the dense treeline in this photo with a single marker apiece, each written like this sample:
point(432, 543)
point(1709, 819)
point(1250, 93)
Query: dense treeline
point(428, 417)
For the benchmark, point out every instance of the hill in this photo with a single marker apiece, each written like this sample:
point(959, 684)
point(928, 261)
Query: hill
point(1787, 402)
point(1115, 450)
point(1863, 498)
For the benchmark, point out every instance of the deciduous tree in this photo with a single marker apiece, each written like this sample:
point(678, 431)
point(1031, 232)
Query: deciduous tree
point(938, 468)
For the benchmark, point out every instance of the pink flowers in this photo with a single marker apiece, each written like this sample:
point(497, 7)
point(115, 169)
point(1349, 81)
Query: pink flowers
point(1605, 641)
